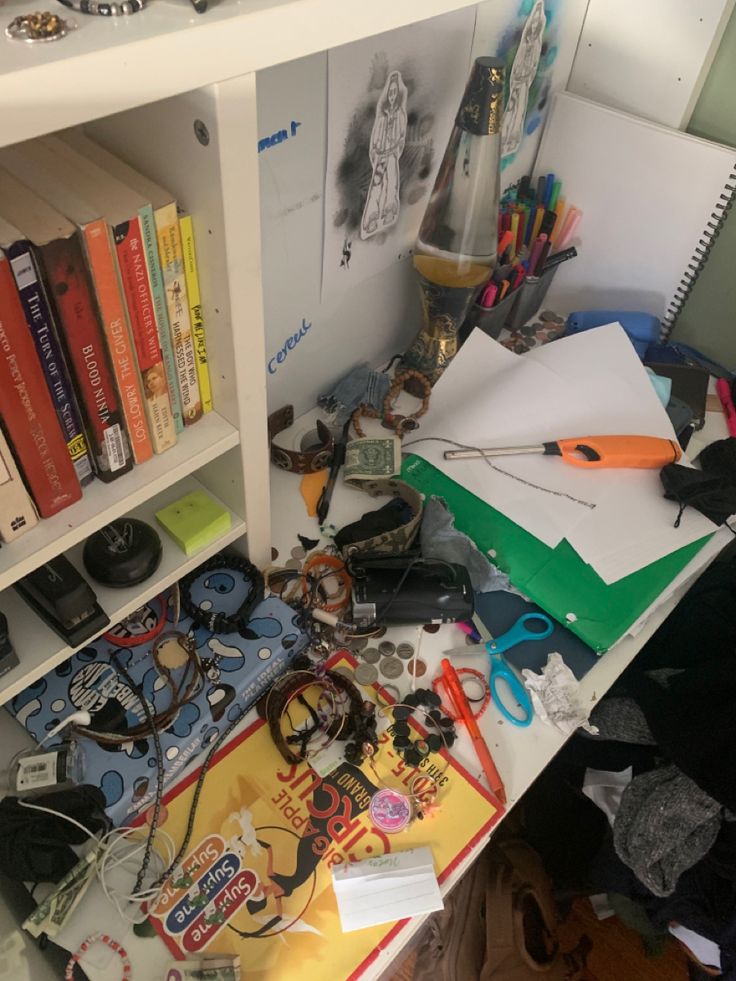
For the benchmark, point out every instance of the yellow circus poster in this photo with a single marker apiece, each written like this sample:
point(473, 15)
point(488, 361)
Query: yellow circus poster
point(256, 880)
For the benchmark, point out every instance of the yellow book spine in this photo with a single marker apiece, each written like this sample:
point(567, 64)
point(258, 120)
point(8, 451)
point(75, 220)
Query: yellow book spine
point(191, 277)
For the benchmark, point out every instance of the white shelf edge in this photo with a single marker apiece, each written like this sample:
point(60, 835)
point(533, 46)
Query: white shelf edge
point(46, 90)
point(102, 503)
point(33, 639)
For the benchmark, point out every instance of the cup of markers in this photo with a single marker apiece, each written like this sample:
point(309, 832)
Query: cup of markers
point(536, 229)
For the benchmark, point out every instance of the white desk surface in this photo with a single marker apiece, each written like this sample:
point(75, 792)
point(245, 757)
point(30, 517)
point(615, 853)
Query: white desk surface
point(520, 754)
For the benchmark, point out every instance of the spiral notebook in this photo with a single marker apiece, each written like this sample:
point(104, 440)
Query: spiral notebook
point(653, 201)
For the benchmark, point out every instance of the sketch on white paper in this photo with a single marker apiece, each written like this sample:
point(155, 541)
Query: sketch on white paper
point(390, 108)
point(523, 72)
point(388, 138)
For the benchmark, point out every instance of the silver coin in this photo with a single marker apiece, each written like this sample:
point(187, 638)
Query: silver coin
point(358, 644)
point(345, 671)
point(298, 552)
point(292, 564)
point(370, 655)
point(391, 667)
point(405, 651)
point(550, 317)
point(386, 648)
point(366, 674)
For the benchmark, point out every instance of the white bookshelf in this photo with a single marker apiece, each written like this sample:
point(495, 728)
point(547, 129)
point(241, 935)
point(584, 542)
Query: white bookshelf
point(138, 84)
point(102, 503)
point(94, 71)
point(41, 650)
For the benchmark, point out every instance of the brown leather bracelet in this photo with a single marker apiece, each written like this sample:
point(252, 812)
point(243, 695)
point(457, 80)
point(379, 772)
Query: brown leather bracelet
point(299, 461)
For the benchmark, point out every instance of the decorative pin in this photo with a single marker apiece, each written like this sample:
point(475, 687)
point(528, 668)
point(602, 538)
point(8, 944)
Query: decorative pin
point(38, 28)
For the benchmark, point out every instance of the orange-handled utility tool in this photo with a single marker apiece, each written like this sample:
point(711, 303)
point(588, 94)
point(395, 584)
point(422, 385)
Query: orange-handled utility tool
point(642, 452)
point(464, 712)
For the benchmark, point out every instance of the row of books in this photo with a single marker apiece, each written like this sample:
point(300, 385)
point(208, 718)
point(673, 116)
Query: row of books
point(103, 360)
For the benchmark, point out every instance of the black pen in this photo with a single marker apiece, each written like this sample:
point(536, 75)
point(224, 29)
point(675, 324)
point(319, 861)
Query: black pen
point(559, 257)
point(338, 458)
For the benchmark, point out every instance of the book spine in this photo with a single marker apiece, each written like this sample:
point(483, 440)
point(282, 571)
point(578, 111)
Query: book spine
point(103, 265)
point(27, 410)
point(158, 293)
point(134, 276)
point(172, 266)
point(17, 513)
point(81, 336)
point(191, 277)
point(43, 331)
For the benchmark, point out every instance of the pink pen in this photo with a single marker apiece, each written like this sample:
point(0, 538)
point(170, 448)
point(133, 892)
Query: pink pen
point(536, 252)
point(571, 226)
point(488, 296)
point(724, 394)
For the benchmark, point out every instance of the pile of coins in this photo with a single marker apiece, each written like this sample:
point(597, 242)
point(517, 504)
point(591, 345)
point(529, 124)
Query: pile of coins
point(387, 660)
point(549, 327)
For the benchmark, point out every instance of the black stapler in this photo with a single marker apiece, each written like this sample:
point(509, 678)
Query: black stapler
point(64, 600)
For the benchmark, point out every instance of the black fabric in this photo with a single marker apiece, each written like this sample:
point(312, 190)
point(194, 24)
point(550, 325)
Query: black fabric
point(392, 515)
point(720, 458)
point(704, 899)
point(35, 846)
point(692, 711)
point(714, 495)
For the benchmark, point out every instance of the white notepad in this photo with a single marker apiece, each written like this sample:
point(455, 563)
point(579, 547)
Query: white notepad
point(651, 197)
point(387, 888)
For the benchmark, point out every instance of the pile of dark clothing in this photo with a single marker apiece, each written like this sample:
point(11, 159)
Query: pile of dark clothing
point(661, 838)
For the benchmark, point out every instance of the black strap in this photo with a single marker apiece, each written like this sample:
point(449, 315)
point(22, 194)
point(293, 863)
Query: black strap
point(217, 621)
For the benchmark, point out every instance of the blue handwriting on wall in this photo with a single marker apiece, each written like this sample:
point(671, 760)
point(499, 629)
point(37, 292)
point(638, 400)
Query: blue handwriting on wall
point(278, 137)
point(289, 344)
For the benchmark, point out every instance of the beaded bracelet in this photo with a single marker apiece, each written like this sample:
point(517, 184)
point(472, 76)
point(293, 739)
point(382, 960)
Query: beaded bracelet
point(427, 703)
point(105, 9)
point(103, 939)
point(474, 676)
point(404, 424)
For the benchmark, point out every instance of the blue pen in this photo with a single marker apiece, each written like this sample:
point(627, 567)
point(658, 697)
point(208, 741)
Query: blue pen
point(548, 190)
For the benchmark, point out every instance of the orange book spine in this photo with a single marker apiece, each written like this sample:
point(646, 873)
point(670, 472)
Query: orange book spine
point(104, 273)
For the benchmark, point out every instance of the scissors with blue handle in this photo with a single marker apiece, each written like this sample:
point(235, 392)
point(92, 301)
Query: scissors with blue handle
point(501, 670)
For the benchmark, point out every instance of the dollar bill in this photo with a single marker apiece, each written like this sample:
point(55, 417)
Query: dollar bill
point(53, 912)
point(367, 458)
point(217, 967)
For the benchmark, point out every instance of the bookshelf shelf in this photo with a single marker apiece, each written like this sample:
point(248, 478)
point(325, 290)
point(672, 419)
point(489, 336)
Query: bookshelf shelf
point(40, 649)
point(88, 74)
point(101, 503)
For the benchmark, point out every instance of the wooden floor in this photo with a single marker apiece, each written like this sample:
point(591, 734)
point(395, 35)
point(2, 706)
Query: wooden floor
point(615, 953)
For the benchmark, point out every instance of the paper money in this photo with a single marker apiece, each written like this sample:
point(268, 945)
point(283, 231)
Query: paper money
point(217, 967)
point(367, 458)
point(53, 912)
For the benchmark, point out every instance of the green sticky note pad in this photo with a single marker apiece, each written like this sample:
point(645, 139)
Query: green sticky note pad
point(194, 521)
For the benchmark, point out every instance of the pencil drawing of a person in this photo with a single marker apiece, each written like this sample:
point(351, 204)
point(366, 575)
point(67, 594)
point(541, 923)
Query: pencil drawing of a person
point(523, 72)
point(387, 144)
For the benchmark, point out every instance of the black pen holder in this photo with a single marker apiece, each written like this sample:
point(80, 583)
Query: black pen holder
point(513, 311)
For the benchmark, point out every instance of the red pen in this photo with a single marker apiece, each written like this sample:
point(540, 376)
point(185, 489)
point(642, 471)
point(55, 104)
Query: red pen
point(724, 394)
point(520, 274)
point(463, 710)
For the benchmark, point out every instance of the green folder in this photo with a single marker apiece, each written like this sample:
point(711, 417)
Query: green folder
point(555, 578)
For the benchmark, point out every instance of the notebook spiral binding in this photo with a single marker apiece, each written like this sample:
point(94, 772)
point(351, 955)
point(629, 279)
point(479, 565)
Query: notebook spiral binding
point(700, 257)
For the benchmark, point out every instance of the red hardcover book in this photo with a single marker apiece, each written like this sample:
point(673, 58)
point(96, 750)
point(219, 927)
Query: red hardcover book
point(27, 411)
point(82, 338)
